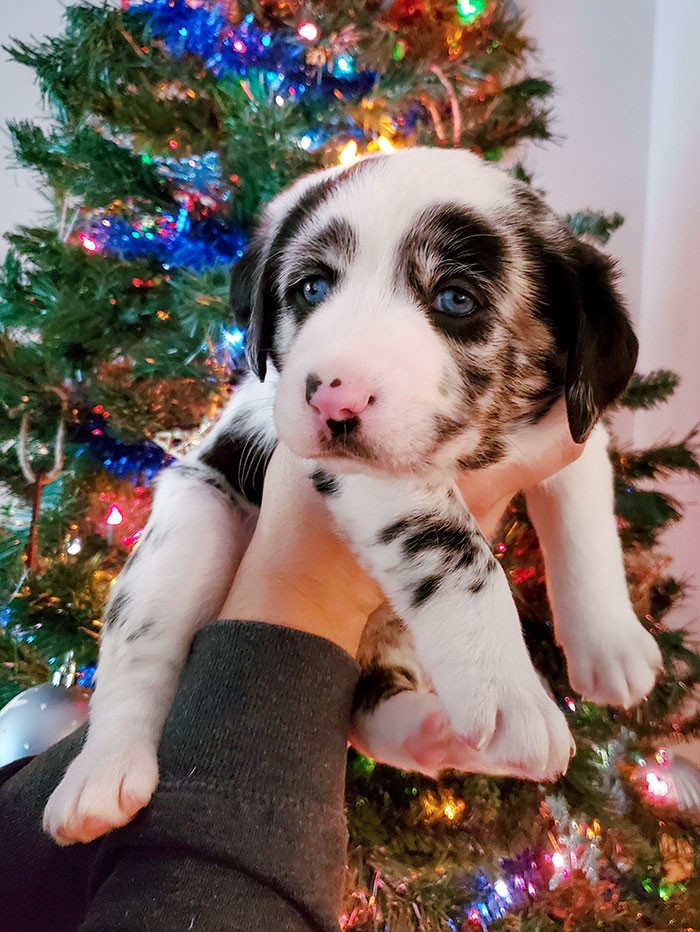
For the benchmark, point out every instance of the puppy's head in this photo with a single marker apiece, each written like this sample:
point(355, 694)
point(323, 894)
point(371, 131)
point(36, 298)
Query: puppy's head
point(421, 308)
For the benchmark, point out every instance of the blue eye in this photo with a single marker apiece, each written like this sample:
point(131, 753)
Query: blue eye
point(315, 289)
point(456, 302)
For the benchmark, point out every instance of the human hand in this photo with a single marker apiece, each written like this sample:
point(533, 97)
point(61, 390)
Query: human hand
point(297, 571)
point(539, 454)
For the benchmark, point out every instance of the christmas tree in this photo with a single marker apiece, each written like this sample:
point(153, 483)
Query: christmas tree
point(173, 122)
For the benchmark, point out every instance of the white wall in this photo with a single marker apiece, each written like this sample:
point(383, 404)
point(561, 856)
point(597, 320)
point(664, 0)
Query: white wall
point(20, 100)
point(597, 54)
point(670, 306)
point(628, 108)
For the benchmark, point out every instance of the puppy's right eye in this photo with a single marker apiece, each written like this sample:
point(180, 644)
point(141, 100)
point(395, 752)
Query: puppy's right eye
point(314, 289)
point(455, 302)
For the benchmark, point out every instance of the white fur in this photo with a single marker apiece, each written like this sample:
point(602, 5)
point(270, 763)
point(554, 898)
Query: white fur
point(611, 659)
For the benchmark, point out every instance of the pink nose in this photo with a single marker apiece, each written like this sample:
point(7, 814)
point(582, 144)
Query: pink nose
point(336, 400)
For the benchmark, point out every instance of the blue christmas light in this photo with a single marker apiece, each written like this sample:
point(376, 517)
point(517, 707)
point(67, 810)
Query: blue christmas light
point(85, 676)
point(234, 337)
point(183, 220)
point(523, 877)
point(196, 174)
point(343, 65)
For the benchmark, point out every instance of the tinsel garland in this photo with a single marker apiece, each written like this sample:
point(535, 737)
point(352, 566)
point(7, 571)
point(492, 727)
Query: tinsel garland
point(234, 50)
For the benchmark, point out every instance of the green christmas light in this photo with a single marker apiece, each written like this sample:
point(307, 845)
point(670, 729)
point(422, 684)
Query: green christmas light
point(470, 10)
point(399, 50)
point(364, 764)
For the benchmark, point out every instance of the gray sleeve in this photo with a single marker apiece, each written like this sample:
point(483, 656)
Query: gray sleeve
point(246, 831)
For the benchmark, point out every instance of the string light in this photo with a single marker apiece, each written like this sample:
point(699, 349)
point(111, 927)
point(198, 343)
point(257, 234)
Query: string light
point(88, 243)
point(308, 31)
point(657, 786)
point(344, 65)
point(470, 10)
point(114, 516)
point(234, 337)
point(349, 154)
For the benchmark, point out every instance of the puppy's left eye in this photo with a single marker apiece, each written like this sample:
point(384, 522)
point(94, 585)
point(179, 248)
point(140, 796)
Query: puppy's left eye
point(456, 302)
point(315, 289)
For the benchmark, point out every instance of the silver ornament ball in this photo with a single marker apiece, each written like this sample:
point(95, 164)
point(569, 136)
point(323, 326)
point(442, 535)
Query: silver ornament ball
point(39, 717)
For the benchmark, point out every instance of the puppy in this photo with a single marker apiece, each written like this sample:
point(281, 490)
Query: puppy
point(410, 318)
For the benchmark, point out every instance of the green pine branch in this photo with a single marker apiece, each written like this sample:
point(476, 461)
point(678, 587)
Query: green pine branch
point(88, 166)
point(661, 461)
point(647, 391)
point(594, 223)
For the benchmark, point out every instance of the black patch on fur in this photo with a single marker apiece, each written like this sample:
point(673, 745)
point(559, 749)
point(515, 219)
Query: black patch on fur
point(530, 202)
point(254, 299)
point(491, 450)
point(337, 240)
point(113, 617)
point(393, 531)
point(476, 380)
point(596, 349)
point(464, 250)
point(604, 353)
point(378, 683)
point(477, 585)
point(264, 308)
point(325, 483)
point(312, 383)
point(436, 535)
point(242, 461)
point(466, 557)
point(446, 428)
point(139, 632)
point(425, 590)
point(244, 274)
point(217, 482)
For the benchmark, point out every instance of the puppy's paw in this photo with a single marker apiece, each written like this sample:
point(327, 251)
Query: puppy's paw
point(619, 667)
point(412, 731)
point(532, 739)
point(102, 789)
point(409, 731)
point(515, 729)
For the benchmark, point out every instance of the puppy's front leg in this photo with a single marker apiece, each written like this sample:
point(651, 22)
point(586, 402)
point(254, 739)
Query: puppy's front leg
point(611, 658)
point(430, 558)
point(175, 581)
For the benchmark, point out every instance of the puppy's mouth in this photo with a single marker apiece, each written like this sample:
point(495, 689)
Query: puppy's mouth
point(346, 442)
point(350, 452)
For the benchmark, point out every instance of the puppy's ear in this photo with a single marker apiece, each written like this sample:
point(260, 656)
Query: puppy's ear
point(246, 300)
point(602, 348)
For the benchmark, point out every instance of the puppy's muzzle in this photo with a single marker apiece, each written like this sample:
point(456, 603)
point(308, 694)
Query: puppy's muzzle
point(336, 404)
